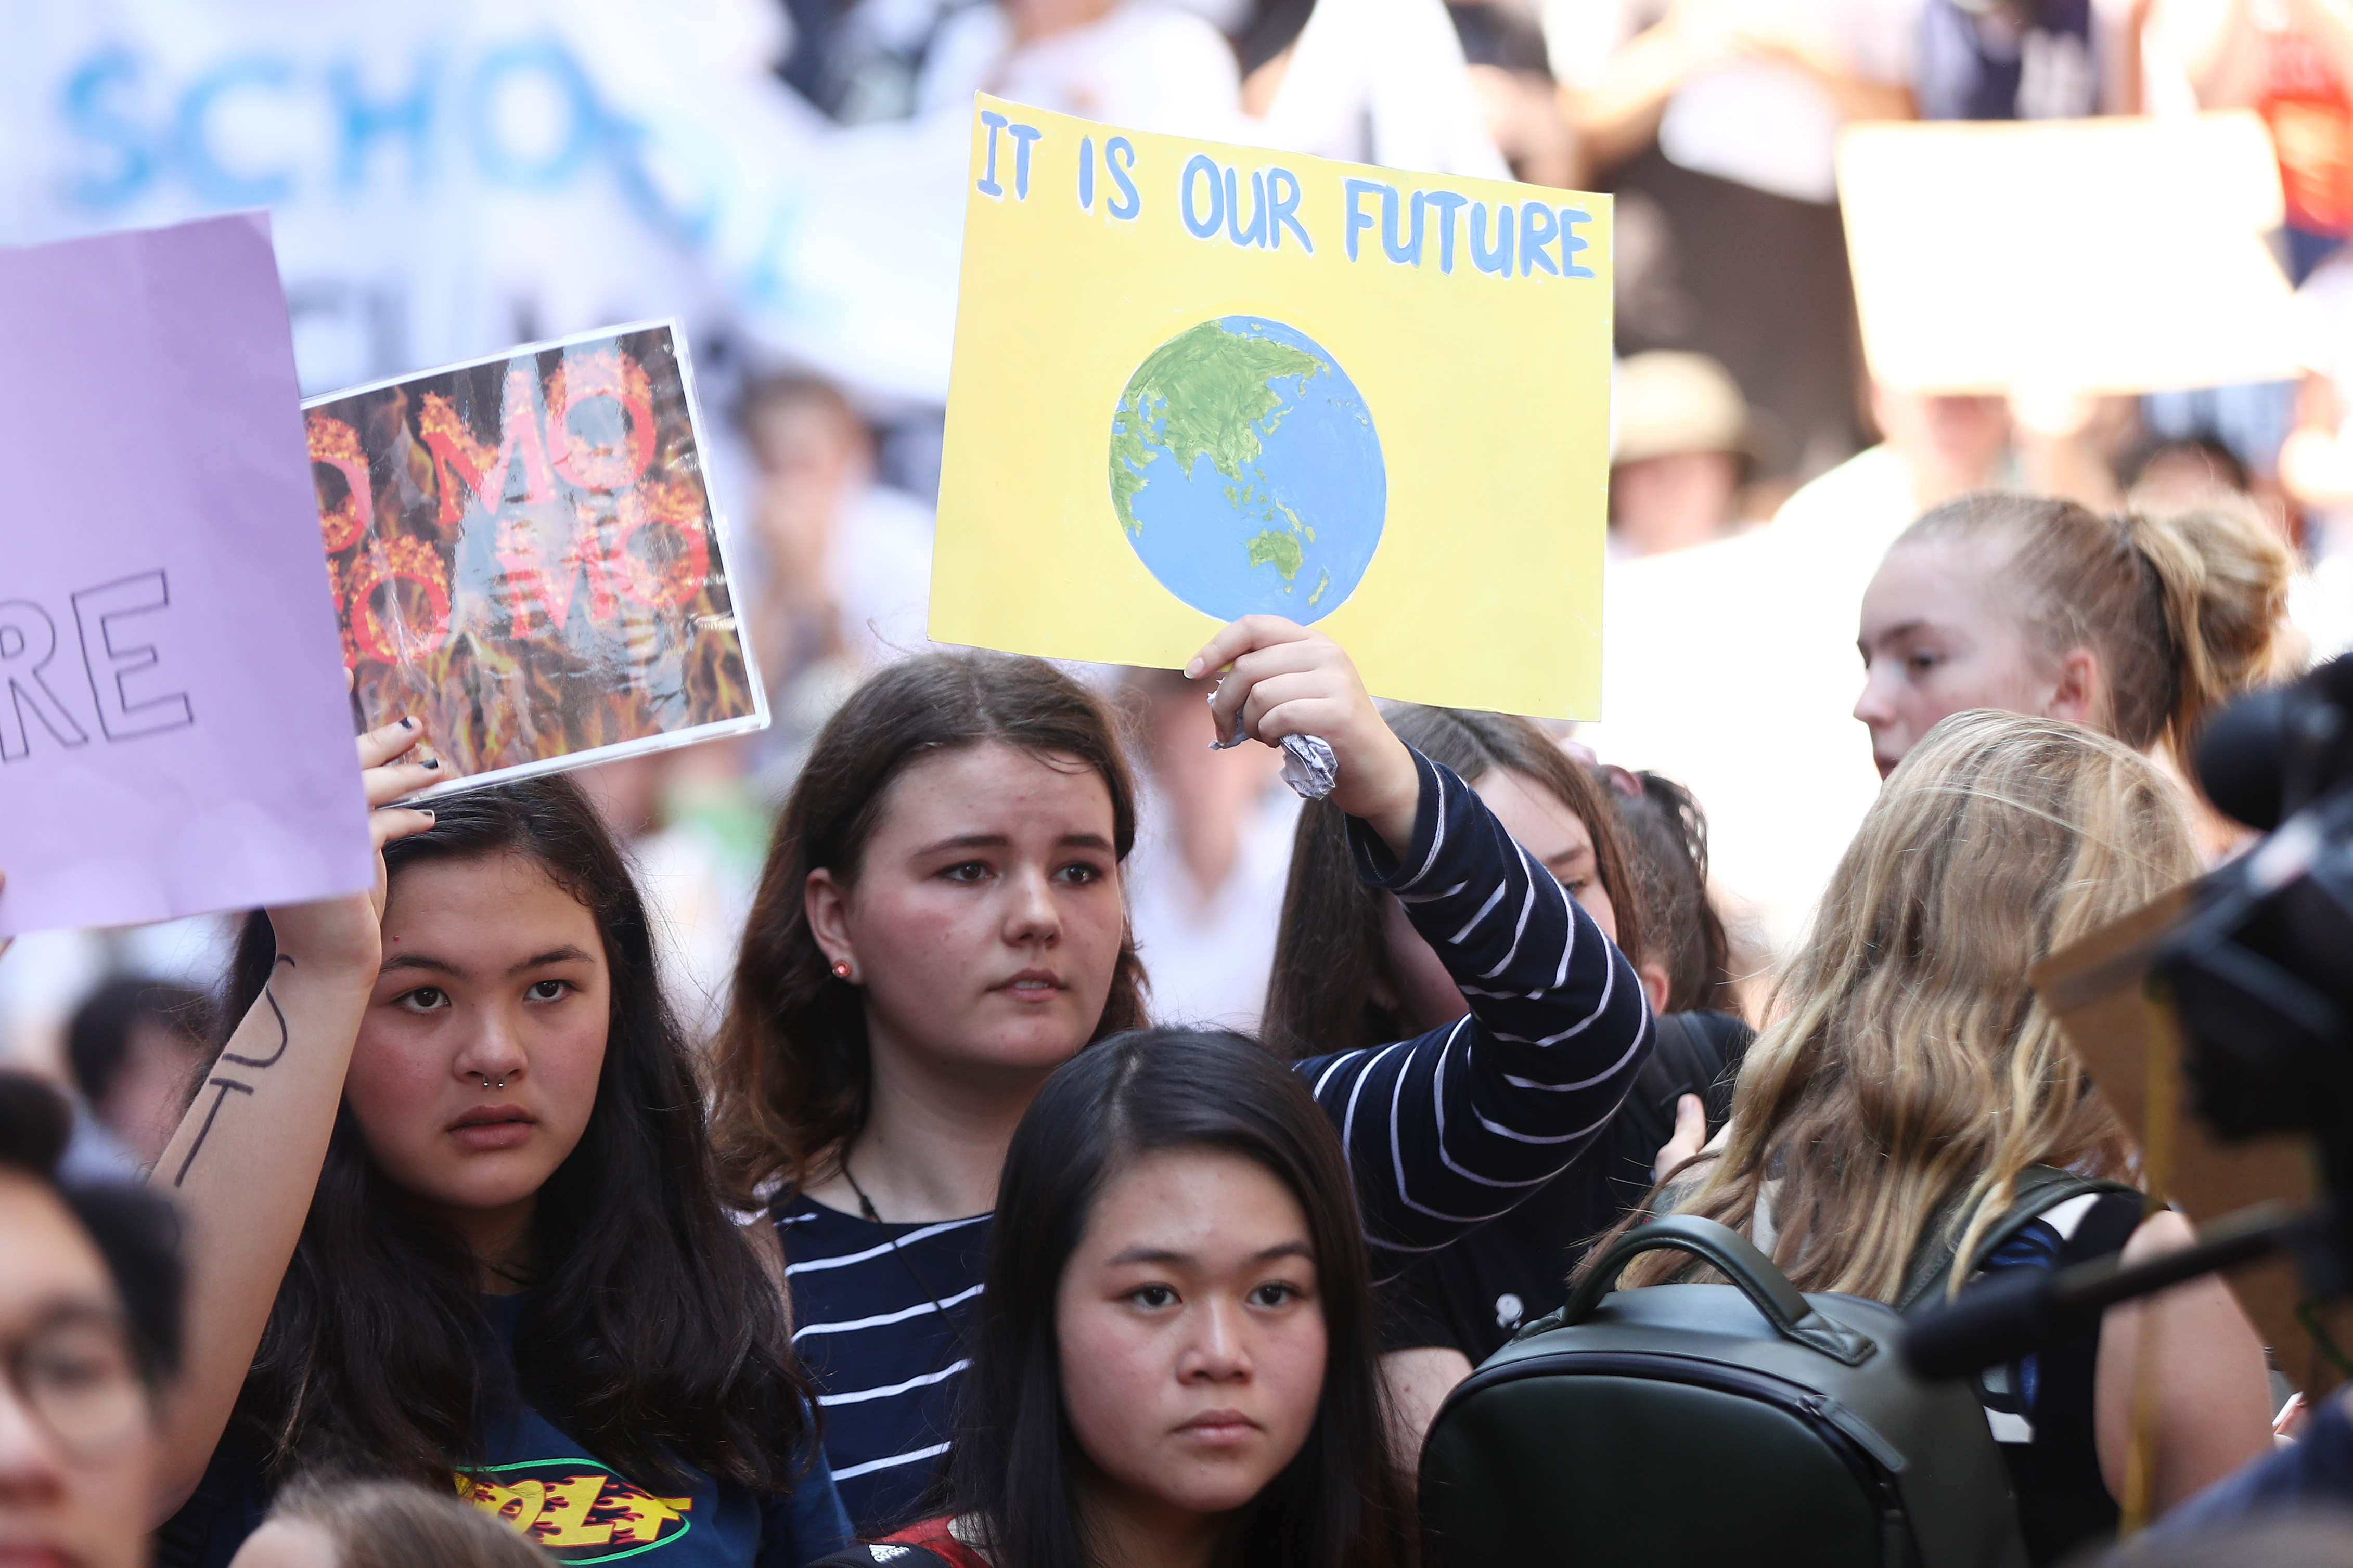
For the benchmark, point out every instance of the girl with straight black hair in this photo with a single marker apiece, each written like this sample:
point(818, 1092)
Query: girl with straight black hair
point(1173, 1362)
point(455, 1220)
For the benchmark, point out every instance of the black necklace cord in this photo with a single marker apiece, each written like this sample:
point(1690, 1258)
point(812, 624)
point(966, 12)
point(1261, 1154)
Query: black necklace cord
point(866, 1208)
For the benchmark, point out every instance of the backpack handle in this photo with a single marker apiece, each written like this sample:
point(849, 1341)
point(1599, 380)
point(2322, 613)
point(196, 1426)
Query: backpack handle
point(1736, 1257)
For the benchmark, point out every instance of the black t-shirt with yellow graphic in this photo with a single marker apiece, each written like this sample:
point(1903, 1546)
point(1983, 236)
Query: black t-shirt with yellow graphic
point(545, 1484)
point(578, 1509)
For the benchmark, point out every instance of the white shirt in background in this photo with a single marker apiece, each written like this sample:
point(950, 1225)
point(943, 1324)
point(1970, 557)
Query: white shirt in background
point(1732, 668)
point(881, 569)
point(2321, 603)
point(699, 888)
point(1208, 959)
point(1146, 66)
point(1381, 81)
point(1762, 123)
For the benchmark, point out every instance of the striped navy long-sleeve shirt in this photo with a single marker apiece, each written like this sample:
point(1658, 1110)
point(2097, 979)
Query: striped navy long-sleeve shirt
point(1443, 1131)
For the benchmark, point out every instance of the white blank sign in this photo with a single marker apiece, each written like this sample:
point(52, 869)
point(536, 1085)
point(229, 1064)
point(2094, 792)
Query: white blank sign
point(2115, 255)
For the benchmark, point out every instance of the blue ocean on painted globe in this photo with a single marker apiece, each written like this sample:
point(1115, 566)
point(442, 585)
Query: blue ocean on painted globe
point(1246, 471)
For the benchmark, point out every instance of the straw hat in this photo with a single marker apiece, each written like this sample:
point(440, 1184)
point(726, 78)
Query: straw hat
point(1666, 403)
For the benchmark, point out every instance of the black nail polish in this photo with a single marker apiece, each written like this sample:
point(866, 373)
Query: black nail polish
point(408, 723)
point(435, 763)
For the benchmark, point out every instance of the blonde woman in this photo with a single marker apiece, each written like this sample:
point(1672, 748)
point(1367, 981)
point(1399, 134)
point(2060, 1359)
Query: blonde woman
point(1911, 1075)
point(2139, 627)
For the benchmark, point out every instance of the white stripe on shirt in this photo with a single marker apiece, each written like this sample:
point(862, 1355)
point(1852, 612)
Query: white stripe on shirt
point(1597, 1078)
point(917, 1311)
point(847, 1258)
point(859, 1396)
point(1484, 910)
point(844, 1472)
point(1528, 908)
point(1437, 839)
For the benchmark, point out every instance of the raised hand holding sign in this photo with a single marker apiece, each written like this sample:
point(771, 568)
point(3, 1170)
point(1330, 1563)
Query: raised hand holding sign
point(1195, 383)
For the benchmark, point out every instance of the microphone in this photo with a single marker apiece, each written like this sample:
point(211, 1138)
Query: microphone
point(2013, 1313)
point(2270, 752)
point(2239, 757)
point(2020, 1310)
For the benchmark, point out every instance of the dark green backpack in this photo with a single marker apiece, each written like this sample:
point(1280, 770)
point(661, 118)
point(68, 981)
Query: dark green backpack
point(1713, 1424)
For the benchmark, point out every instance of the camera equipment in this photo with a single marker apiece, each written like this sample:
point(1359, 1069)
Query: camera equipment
point(2260, 975)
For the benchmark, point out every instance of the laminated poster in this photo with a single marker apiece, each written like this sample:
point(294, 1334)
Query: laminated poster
point(524, 554)
point(1195, 381)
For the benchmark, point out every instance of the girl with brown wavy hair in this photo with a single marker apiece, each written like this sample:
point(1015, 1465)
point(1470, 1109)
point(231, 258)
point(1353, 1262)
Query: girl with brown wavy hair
point(941, 924)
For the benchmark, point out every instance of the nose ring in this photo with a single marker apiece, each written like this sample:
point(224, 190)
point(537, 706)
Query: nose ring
point(486, 1084)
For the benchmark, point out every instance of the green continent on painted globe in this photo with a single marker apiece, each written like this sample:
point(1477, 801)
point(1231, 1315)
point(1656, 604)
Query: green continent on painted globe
point(1246, 472)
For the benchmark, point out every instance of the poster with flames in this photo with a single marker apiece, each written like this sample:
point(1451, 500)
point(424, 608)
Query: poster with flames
point(524, 554)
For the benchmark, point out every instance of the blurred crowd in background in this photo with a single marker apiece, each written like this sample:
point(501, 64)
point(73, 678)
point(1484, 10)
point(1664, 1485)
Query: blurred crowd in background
point(786, 177)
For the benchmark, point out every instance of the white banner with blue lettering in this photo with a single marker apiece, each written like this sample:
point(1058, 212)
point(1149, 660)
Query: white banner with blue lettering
point(446, 177)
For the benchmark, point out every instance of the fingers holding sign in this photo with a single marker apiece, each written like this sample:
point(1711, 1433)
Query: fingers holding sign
point(387, 777)
point(1281, 678)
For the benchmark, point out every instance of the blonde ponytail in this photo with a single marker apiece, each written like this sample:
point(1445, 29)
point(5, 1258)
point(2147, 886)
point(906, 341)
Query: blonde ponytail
point(2184, 610)
point(2222, 575)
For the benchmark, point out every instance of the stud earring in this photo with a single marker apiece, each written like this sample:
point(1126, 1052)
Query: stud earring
point(841, 969)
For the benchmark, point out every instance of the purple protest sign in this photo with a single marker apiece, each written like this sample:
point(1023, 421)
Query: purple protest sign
point(174, 733)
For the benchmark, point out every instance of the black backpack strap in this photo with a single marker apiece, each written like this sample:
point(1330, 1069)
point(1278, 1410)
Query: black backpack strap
point(1692, 1053)
point(2038, 1190)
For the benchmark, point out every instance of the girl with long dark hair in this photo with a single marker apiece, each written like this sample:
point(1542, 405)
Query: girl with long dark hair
point(454, 1218)
point(1173, 1365)
point(1352, 971)
point(940, 926)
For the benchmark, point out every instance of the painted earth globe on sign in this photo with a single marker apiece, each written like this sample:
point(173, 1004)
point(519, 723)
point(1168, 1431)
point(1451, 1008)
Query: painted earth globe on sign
point(1246, 471)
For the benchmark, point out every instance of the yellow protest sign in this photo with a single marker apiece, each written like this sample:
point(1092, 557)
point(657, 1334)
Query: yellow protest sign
point(1195, 381)
point(2117, 255)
